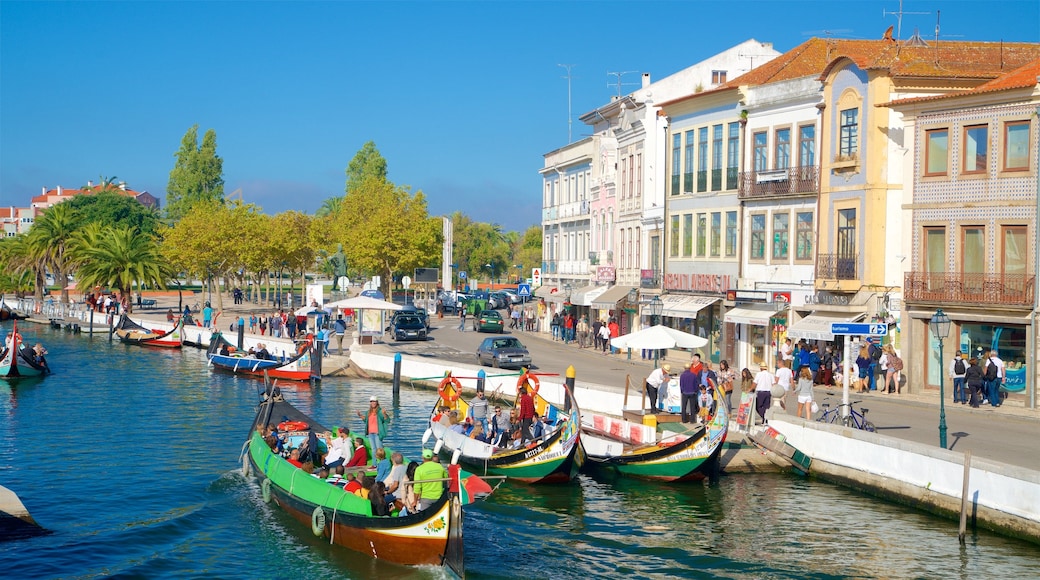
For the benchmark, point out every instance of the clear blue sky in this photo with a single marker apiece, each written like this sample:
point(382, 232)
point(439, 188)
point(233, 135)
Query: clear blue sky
point(461, 98)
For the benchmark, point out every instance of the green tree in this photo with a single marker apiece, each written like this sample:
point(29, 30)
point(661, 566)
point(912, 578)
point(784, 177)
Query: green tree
point(113, 209)
point(16, 267)
point(198, 174)
point(120, 257)
point(367, 162)
point(330, 205)
point(529, 252)
point(50, 237)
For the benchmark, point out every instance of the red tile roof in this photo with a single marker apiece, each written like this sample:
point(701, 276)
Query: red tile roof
point(1020, 78)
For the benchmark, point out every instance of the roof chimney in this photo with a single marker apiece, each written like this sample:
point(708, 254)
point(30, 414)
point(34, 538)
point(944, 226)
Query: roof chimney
point(646, 80)
point(122, 185)
point(90, 183)
point(43, 190)
point(59, 190)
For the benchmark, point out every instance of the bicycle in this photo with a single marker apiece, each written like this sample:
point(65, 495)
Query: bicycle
point(856, 419)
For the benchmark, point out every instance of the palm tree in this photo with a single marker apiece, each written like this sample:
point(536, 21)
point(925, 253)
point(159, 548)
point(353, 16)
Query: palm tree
point(17, 274)
point(121, 258)
point(50, 237)
point(329, 206)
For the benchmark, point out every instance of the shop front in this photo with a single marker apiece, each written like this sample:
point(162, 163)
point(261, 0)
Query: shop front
point(752, 326)
point(694, 314)
point(612, 304)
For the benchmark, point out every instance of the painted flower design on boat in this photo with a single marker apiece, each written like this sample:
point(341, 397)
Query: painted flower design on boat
point(435, 526)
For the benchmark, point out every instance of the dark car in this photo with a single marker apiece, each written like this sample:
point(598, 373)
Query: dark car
point(412, 310)
point(503, 352)
point(408, 327)
point(488, 321)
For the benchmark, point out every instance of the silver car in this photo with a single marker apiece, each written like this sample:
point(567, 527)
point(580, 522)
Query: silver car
point(503, 352)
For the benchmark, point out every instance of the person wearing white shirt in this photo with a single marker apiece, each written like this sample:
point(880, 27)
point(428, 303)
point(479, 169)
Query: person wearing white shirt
point(763, 391)
point(785, 379)
point(993, 384)
point(657, 380)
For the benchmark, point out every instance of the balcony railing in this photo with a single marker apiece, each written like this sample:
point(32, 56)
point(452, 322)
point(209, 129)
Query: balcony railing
point(836, 266)
point(779, 183)
point(969, 288)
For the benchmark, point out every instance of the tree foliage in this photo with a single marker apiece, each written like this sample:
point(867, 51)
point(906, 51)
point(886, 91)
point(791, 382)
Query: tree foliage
point(50, 237)
point(197, 175)
point(114, 209)
point(118, 257)
point(528, 252)
point(367, 162)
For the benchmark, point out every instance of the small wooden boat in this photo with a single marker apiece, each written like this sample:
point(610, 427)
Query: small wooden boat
point(667, 451)
point(131, 332)
point(430, 537)
point(303, 366)
point(19, 360)
point(555, 458)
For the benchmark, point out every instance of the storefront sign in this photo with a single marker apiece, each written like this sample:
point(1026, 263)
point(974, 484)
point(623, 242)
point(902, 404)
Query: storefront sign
point(781, 297)
point(708, 283)
point(605, 273)
point(828, 298)
point(758, 296)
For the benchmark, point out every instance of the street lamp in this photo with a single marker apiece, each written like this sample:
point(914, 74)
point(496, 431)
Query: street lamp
point(656, 308)
point(940, 325)
point(492, 266)
point(519, 272)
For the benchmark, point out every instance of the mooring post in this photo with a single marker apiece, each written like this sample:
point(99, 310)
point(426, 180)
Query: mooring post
point(570, 386)
point(964, 497)
point(397, 374)
point(481, 377)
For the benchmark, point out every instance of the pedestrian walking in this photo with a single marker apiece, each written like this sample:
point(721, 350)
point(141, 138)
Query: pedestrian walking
point(555, 326)
point(604, 337)
point(958, 368)
point(583, 332)
point(462, 320)
point(339, 327)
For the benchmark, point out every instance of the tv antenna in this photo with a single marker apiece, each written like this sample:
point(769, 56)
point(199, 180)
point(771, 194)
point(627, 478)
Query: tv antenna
point(617, 76)
point(751, 58)
point(568, 77)
point(899, 18)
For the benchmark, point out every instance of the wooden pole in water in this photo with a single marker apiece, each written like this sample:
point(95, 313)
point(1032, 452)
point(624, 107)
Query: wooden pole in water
point(628, 379)
point(964, 496)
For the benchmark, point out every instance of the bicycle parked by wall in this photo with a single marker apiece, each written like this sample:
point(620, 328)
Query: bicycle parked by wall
point(856, 419)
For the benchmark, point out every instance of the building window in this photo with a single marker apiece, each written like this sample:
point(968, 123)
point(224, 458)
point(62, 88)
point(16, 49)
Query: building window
point(845, 267)
point(935, 250)
point(1015, 250)
point(687, 241)
point(781, 231)
point(673, 246)
point(1016, 146)
point(676, 138)
point(702, 234)
point(973, 249)
point(688, 161)
point(782, 160)
point(716, 234)
point(807, 146)
point(716, 158)
point(805, 232)
point(731, 234)
point(849, 140)
point(732, 155)
point(758, 236)
point(936, 151)
point(718, 77)
point(976, 148)
point(624, 177)
point(639, 175)
point(761, 153)
point(702, 159)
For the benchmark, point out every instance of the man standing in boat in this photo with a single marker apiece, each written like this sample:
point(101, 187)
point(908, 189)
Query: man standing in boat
point(657, 380)
point(526, 413)
point(429, 472)
point(478, 409)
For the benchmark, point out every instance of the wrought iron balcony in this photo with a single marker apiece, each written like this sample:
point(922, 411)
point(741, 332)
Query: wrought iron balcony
point(836, 266)
point(779, 182)
point(969, 288)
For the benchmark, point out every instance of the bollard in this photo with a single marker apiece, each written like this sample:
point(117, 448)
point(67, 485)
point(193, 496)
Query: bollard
point(397, 374)
point(481, 377)
point(91, 323)
point(964, 497)
point(569, 381)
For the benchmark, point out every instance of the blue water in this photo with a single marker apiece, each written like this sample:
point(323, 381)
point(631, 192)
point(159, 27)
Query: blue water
point(131, 457)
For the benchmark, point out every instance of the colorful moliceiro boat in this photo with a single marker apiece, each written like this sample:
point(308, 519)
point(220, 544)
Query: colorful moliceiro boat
point(555, 458)
point(19, 360)
point(669, 452)
point(429, 537)
point(131, 332)
point(303, 366)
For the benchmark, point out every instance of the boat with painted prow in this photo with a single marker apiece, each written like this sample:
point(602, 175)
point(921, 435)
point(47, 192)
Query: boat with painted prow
point(665, 451)
point(304, 365)
point(18, 360)
point(131, 332)
point(555, 458)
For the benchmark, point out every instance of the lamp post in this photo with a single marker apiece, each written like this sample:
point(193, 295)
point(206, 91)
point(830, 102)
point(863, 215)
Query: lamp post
point(656, 308)
point(519, 272)
point(940, 325)
point(492, 266)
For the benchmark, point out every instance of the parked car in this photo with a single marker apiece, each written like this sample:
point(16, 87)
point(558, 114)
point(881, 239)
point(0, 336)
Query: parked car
point(412, 310)
point(488, 321)
point(408, 327)
point(503, 352)
point(514, 298)
point(499, 299)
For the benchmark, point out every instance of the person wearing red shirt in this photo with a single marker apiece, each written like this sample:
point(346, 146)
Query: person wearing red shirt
point(526, 413)
point(360, 457)
point(615, 331)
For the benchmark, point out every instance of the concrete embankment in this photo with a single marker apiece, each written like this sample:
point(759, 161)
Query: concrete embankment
point(1001, 497)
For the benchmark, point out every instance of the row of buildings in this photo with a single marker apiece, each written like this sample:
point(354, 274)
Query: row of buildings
point(18, 220)
point(843, 180)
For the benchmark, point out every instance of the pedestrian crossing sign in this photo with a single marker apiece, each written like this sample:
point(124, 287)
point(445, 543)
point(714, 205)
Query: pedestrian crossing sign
point(523, 290)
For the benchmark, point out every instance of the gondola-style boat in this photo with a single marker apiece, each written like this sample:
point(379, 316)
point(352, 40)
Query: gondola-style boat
point(429, 537)
point(302, 366)
point(19, 360)
point(667, 452)
point(555, 458)
point(131, 332)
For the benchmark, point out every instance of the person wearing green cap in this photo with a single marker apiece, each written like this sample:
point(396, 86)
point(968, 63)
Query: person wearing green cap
point(428, 493)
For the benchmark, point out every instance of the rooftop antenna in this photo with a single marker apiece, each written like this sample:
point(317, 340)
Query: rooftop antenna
point(568, 77)
point(751, 58)
point(618, 83)
point(899, 18)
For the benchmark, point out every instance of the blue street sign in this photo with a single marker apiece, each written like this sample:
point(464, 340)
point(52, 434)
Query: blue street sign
point(879, 329)
point(523, 290)
point(462, 275)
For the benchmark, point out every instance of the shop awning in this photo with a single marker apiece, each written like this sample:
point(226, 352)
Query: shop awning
point(544, 291)
point(611, 297)
point(586, 294)
point(556, 298)
point(753, 314)
point(817, 326)
point(679, 306)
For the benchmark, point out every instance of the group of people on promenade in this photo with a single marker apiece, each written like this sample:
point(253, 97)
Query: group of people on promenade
point(567, 328)
point(699, 386)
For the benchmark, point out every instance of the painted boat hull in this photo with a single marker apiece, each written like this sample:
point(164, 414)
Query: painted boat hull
point(17, 361)
point(298, 368)
point(130, 332)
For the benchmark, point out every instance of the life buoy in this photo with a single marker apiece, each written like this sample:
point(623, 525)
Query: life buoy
point(265, 490)
point(318, 521)
point(449, 380)
point(292, 426)
point(303, 348)
point(528, 378)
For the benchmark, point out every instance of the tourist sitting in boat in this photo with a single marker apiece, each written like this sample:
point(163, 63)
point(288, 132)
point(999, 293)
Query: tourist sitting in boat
point(360, 457)
point(294, 458)
point(377, 496)
point(383, 464)
point(408, 500)
point(339, 448)
point(322, 473)
point(367, 482)
point(38, 353)
point(499, 426)
point(428, 492)
point(336, 476)
point(467, 426)
point(478, 433)
point(225, 350)
point(453, 418)
point(352, 485)
point(261, 352)
point(537, 427)
point(394, 480)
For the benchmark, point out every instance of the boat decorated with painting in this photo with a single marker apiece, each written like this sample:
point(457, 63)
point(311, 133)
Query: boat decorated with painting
point(131, 332)
point(19, 360)
point(303, 365)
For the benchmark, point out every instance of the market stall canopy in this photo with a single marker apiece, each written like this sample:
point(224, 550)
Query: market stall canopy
point(657, 337)
point(364, 303)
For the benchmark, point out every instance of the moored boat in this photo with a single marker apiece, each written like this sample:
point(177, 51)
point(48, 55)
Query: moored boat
point(554, 458)
point(666, 451)
point(303, 366)
point(131, 332)
point(19, 360)
point(429, 537)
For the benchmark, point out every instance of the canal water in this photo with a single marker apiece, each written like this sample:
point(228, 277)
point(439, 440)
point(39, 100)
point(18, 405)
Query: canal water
point(130, 456)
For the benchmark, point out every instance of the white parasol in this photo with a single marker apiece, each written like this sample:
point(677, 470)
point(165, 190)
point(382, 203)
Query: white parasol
point(657, 337)
point(364, 303)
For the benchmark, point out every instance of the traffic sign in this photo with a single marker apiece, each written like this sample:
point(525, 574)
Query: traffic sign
point(523, 290)
point(406, 282)
point(861, 328)
point(536, 276)
point(462, 275)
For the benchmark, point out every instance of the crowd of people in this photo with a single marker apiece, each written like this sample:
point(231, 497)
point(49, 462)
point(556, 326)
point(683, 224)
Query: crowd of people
point(504, 430)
